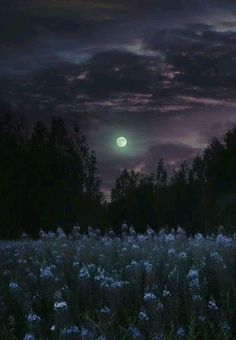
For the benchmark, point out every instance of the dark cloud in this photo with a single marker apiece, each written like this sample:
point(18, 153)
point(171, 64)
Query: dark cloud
point(116, 71)
point(163, 78)
point(202, 56)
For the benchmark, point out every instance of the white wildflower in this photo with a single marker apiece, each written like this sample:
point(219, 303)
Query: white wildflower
point(32, 318)
point(202, 318)
point(51, 234)
point(71, 330)
point(149, 296)
point(84, 273)
point(150, 232)
point(180, 332)
point(171, 251)
point(172, 273)
point(134, 332)
point(117, 284)
point(193, 277)
point(135, 246)
point(105, 310)
point(183, 255)
point(212, 304)
point(76, 264)
point(134, 263)
point(166, 293)
point(85, 333)
point(13, 286)
point(132, 232)
point(147, 266)
point(60, 306)
point(60, 233)
point(225, 326)
point(224, 240)
point(29, 336)
point(215, 256)
point(169, 238)
point(45, 273)
point(143, 316)
point(196, 298)
point(199, 237)
point(180, 231)
point(142, 237)
point(192, 274)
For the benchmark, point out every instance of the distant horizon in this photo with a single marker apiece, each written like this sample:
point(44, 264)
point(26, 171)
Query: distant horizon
point(107, 191)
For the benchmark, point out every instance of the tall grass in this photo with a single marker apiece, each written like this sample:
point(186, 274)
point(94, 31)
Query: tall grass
point(135, 286)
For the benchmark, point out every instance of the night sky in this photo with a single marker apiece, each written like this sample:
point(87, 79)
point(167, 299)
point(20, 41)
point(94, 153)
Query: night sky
point(161, 73)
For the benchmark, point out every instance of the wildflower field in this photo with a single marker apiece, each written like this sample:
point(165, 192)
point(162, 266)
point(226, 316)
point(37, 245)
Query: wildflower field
point(161, 285)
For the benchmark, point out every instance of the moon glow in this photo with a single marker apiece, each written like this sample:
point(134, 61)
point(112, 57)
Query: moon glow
point(121, 142)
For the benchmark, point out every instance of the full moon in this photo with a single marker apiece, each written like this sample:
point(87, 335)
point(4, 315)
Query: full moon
point(121, 142)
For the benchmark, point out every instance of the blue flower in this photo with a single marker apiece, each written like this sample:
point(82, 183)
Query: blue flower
point(71, 330)
point(149, 296)
point(32, 318)
point(13, 286)
point(60, 306)
point(180, 332)
point(45, 273)
point(143, 316)
point(29, 336)
point(134, 332)
point(84, 273)
point(105, 310)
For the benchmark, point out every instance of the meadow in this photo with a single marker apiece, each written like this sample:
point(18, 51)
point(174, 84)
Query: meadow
point(156, 285)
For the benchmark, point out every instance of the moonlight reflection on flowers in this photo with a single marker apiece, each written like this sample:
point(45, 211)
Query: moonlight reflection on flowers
point(135, 281)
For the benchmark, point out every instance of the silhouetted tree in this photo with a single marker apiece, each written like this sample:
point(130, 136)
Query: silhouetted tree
point(47, 178)
point(12, 141)
point(200, 197)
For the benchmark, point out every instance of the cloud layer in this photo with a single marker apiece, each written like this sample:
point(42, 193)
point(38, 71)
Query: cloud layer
point(164, 77)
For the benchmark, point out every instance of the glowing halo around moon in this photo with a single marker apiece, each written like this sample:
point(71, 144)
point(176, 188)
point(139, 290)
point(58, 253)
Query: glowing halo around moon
point(121, 142)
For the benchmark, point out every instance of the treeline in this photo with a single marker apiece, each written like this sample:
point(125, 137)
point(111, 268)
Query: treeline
point(48, 178)
point(200, 197)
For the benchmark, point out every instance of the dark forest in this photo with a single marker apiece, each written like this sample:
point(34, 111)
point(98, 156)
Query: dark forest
point(49, 179)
